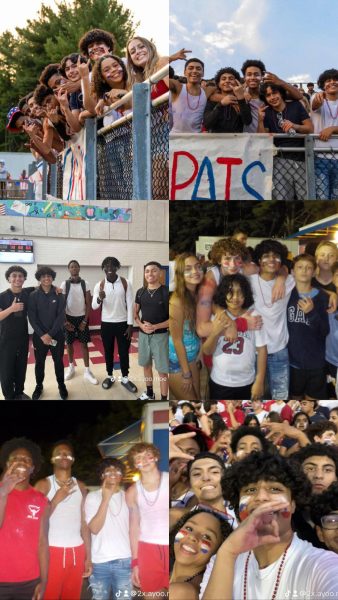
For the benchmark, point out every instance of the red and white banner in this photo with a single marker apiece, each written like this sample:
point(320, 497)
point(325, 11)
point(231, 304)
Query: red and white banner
point(209, 166)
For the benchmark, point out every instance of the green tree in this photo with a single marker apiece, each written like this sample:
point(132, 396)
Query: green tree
point(46, 40)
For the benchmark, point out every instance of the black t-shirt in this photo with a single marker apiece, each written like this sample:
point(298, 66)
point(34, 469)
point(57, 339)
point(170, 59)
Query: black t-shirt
point(329, 287)
point(295, 112)
point(154, 307)
point(15, 326)
point(76, 100)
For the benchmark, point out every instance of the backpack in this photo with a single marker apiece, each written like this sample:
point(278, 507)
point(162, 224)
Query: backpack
point(125, 287)
point(83, 285)
point(164, 296)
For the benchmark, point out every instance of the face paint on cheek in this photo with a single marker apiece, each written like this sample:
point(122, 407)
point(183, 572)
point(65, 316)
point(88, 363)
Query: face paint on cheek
point(284, 512)
point(205, 547)
point(243, 507)
point(180, 535)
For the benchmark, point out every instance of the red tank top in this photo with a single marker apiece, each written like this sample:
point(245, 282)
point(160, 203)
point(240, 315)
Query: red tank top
point(19, 536)
point(158, 89)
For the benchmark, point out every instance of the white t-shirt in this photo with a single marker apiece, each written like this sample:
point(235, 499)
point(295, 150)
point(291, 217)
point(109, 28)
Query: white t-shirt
point(112, 542)
point(308, 572)
point(261, 416)
point(274, 314)
point(323, 118)
point(76, 305)
point(277, 407)
point(117, 306)
point(233, 364)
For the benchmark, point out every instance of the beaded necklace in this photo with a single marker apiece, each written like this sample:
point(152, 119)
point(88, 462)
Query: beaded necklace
point(260, 288)
point(334, 117)
point(279, 574)
point(143, 490)
point(198, 102)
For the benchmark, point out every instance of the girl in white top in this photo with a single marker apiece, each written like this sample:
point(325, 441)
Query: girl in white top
point(233, 371)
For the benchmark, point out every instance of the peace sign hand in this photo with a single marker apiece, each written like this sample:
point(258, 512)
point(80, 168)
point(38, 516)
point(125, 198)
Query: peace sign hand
point(179, 55)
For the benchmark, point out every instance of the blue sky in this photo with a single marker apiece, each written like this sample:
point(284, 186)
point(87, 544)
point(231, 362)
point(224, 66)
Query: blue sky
point(296, 39)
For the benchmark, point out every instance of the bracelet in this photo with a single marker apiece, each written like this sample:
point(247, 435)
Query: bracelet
point(187, 375)
point(134, 562)
point(84, 321)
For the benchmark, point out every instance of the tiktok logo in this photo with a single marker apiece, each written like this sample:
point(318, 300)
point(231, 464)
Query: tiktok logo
point(34, 510)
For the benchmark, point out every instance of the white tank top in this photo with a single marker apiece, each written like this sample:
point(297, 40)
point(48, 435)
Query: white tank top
point(65, 521)
point(187, 111)
point(154, 512)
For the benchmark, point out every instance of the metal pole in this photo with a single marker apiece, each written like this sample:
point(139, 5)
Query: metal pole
point(310, 167)
point(141, 142)
point(44, 180)
point(91, 159)
point(53, 180)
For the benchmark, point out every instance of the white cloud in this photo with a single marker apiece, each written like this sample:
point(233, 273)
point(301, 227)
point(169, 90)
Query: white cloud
point(303, 77)
point(243, 28)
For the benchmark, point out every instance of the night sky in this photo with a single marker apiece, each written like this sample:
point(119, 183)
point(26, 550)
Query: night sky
point(50, 421)
point(84, 424)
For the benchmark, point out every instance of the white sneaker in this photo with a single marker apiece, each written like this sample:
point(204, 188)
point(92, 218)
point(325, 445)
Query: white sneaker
point(69, 373)
point(144, 396)
point(88, 376)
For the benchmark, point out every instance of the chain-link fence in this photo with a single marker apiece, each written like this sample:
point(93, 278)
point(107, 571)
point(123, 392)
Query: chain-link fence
point(115, 157)
point(305, 172)
point(13, 189)
point(115, 163)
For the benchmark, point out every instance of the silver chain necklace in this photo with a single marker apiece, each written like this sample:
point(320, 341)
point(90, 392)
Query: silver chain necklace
point(152, 292)
point(119, 510)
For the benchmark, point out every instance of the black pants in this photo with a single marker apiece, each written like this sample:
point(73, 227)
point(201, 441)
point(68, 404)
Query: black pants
point(110, 331)
point(41, 351)
point(222, 392)
point(22, 590)
point(13, 367)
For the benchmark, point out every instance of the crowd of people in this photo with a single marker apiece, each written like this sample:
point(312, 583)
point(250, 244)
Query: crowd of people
point(261, 102)
point(82, 85)
point(54, 534)
point(256, 322)
point(254, 499)
point(60, 315)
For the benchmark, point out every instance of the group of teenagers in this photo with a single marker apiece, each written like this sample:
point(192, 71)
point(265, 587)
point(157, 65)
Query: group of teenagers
point(259, 323)
point(54, 532)
point(261, 102)
point(253, 500)
point(61, 314)
point(82, 85)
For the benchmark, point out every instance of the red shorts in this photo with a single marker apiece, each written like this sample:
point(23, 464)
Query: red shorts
point(153, 564)
point(66, 567)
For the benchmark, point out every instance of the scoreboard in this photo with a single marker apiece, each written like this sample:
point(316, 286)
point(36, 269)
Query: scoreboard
point(16, 251)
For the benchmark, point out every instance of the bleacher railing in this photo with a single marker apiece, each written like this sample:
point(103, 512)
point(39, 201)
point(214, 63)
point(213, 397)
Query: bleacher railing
point(128, 159)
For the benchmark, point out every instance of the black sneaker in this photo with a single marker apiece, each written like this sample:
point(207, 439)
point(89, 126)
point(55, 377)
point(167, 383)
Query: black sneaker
point(63, 391)
point(37, 392)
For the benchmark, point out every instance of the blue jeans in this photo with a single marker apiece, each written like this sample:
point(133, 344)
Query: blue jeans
point(326, 170)
point(112, 576)
point(278, 374)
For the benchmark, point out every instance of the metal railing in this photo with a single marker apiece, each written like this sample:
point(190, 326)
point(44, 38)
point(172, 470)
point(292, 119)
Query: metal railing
point(128, 159)
point(311, 177)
